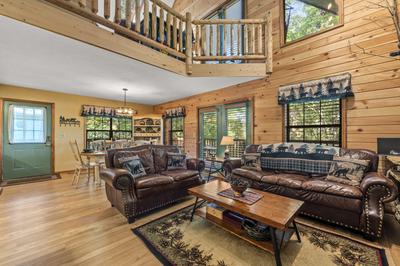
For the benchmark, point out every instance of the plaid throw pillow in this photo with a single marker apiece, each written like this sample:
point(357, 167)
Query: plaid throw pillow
point(347, 171)
point(251, 161)
point(133, 165)
point(176, 161)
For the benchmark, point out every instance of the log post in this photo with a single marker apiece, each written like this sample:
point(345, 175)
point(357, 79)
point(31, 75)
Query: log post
point(161, 26)
point(137, 16)
point(180, 35)
point(232, 40)
point(268, 42)
point(211, 39)
point(107, 9)
point(154, 21)
point(174, 31)
point(146, 18)
point(95, 6)
point(189, 44)
point(168, 29)
point(239, 38)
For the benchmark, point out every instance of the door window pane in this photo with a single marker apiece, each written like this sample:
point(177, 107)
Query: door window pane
point(27, 124)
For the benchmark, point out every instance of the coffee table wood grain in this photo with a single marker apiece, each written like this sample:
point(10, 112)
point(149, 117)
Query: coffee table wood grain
point(278, 212)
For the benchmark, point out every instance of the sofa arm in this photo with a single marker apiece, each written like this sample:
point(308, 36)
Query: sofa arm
point(382, 187)
point(377, 190)
point(195, 164)
point(229, 165)
point(120, 179)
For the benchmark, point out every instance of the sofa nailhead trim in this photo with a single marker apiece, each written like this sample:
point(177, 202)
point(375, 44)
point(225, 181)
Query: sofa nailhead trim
point(380, 209)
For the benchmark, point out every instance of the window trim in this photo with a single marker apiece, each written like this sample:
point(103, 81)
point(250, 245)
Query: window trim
point(282, 24)
point(111, 131)
point(342, 125)
point(169, 134)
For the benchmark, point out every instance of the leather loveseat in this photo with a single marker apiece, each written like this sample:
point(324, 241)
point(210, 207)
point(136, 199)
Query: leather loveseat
point(136, 196)
point(357, 207)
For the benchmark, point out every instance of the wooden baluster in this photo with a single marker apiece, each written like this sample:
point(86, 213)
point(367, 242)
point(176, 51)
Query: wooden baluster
point(253, 39)
point(189, 43)
point(232, 39)
point(154, 21)
point(95, 6)
point(82, 3)
point(146, 17)
point(174, 35)
point(180, 35)
point(161, 26)
point(245, 41)
point(168, 29)
point(218, 40)
point(239, 39)
point(117, 17)
point(268, 42)
point(107, 9)
point(198, 40)
point(260, 39)
point(137, 15)
point(225, 44)
point(211, 40)
point(128, 14)
point(203, 40)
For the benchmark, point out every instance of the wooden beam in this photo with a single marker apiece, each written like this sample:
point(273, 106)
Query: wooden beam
point(229, 70)
point(189, 44)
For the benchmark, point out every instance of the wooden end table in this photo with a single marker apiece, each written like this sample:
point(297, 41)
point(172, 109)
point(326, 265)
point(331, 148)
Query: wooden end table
point(213, 169)
point(278, 212)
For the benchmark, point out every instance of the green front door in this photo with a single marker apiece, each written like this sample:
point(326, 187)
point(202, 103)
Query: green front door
point(27, 134)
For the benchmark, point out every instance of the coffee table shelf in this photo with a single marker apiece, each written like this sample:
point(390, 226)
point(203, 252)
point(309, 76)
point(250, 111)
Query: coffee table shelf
point(264, 245)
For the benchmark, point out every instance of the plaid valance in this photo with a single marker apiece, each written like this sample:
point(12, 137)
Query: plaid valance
point(326, 88)
point(175, 112)
point(92, 110)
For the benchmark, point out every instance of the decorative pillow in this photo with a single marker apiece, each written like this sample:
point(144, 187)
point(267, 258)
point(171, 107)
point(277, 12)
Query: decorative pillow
point(176, 161)
point(145, 155)
point(347, 171)
point(133, 165)
point(251, 161)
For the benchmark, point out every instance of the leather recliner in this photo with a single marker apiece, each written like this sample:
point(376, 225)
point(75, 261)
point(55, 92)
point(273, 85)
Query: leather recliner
point(136, 196)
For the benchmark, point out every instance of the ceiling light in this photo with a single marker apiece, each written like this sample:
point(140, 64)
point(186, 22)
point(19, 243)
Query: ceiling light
point(125, 110)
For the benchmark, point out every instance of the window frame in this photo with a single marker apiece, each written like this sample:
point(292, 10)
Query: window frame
point(169, 134)
point(282, 24)
point(110, 130)
point(342, 126)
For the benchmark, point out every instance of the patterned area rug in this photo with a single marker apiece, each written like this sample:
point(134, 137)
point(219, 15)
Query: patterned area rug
point(174, 240)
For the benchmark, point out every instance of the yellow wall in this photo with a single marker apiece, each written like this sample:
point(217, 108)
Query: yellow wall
point(69, 106)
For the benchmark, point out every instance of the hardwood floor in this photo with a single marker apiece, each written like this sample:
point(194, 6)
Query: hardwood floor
point(52, 223)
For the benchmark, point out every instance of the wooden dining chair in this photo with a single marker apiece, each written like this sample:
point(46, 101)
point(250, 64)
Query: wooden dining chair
point(80, 164)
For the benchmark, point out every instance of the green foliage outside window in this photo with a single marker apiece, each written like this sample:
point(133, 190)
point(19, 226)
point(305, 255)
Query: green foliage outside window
point(106, 128)
point(302, 19)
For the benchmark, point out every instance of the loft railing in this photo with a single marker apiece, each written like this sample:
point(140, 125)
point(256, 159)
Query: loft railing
point(156, 25)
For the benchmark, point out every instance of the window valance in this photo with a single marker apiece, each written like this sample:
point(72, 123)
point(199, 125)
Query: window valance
point(326, 88)
point(92, 110)
point(175, 112)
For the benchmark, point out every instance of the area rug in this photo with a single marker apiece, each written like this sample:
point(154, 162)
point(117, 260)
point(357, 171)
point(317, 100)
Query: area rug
point(174, 240)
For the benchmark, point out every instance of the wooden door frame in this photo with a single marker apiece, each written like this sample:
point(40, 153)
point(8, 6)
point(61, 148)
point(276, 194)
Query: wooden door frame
point(2, 100)
point(250, 99)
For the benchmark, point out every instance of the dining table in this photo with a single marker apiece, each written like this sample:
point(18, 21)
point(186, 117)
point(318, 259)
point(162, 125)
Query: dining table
point(98, 157)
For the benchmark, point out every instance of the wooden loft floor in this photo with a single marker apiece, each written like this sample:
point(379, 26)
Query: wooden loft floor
point(185, 46)
point(52, 223)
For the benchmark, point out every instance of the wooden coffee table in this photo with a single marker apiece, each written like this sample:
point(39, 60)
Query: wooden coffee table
point(278, 212)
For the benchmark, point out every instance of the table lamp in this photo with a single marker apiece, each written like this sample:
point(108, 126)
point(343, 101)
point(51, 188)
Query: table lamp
point(226, 141)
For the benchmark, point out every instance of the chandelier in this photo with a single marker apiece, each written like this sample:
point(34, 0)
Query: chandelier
point(125, 110)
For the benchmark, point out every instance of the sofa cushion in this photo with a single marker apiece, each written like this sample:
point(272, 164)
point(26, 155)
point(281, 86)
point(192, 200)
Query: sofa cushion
point(178, 175)
point(153, 181)
point(249, 173)
point(145, 155)
point(348, 171)
point(333, 188)
point(287, 180)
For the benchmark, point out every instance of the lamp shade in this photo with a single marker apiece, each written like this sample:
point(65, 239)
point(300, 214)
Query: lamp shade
point(227, 140)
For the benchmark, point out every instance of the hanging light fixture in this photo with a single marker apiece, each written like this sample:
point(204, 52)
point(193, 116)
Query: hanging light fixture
point(125, 110)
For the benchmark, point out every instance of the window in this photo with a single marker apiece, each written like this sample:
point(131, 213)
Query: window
point(224, 120)
point(27, 124)
point(174, 132)
point(314, 122)
point(107, 128)
point(233, 10)
point(304, 18)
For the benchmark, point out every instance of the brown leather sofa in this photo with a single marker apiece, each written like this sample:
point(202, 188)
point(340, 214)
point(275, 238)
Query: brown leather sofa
point(136, 196)
point(357, 207)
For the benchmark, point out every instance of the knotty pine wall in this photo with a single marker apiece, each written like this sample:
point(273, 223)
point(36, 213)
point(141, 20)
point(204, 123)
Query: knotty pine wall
point(373, 112)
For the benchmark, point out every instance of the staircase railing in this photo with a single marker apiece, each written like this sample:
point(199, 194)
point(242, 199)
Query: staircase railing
point(155, 24)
